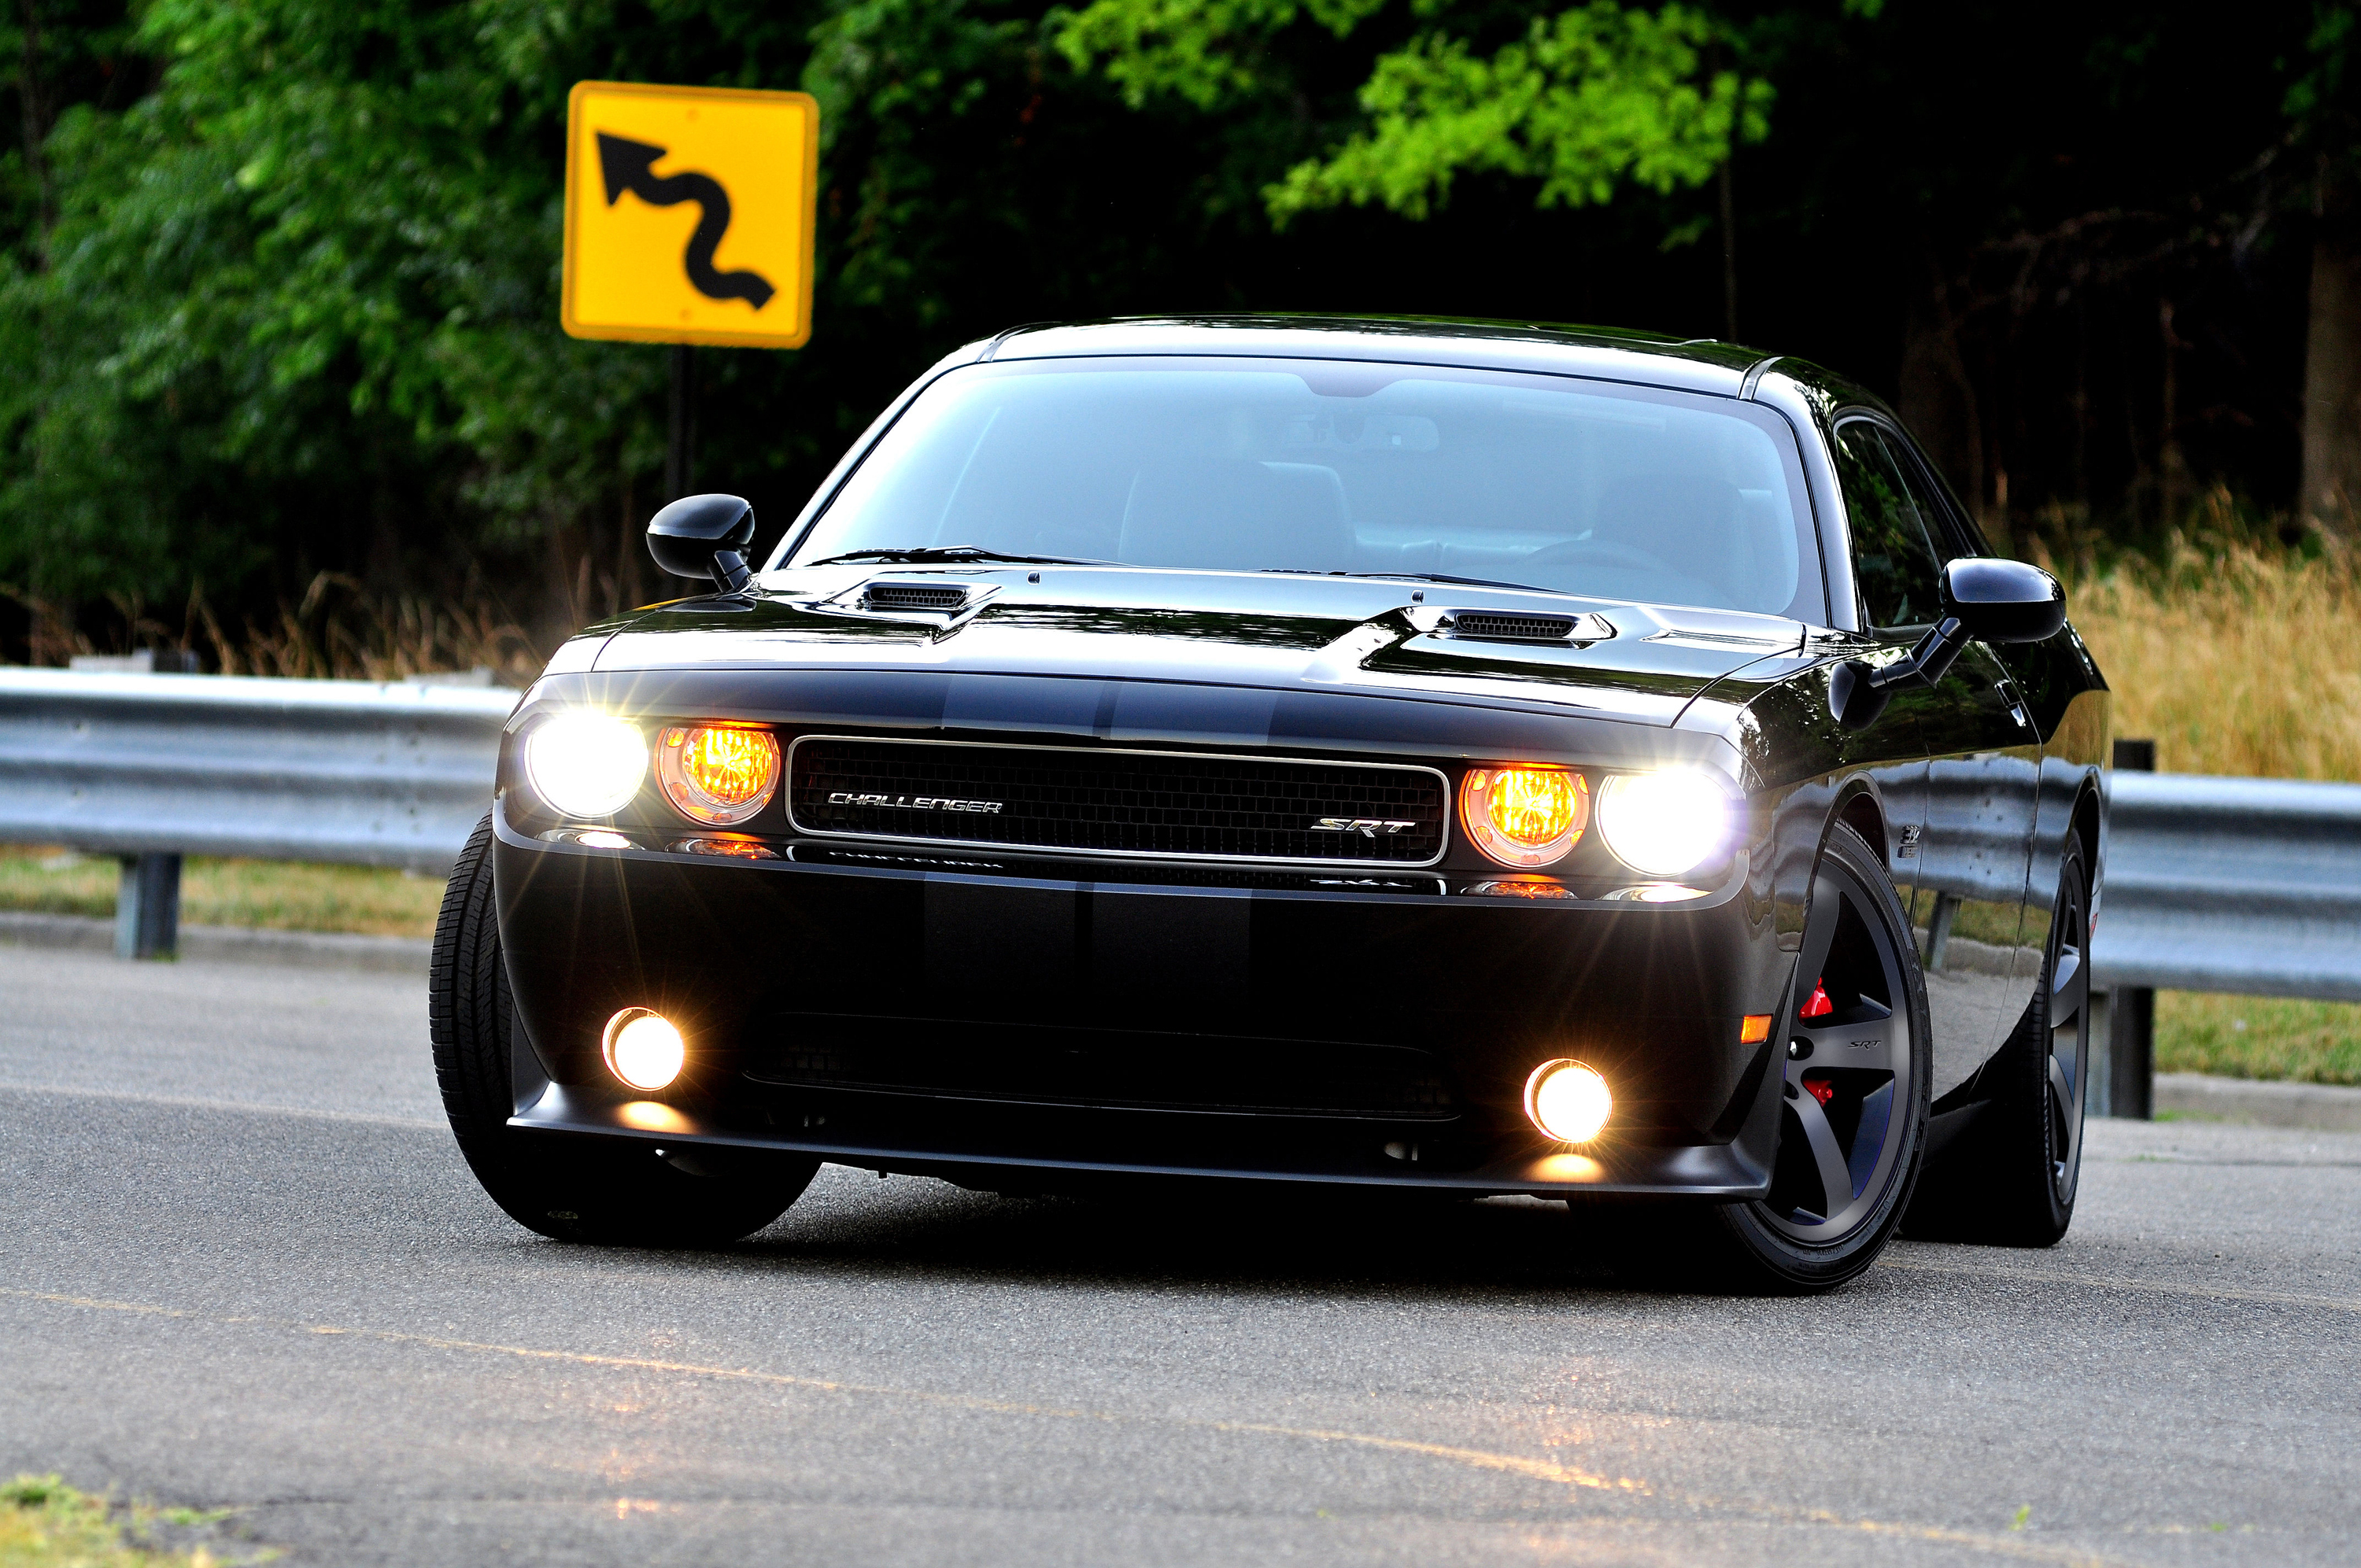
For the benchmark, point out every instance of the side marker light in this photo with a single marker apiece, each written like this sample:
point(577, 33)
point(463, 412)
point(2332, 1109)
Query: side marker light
point(642, 1048)
point(1754, 1029)
point(1568, 1101)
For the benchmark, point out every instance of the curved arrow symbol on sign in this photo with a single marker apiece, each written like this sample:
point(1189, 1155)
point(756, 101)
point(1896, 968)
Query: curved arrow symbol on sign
point(630, 166)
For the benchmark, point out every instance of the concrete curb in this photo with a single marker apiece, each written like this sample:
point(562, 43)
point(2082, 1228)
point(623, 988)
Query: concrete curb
point(2320, 1107)
point(230, 944)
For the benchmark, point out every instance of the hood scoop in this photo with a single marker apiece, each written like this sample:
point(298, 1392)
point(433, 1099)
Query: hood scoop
point(926, 598)
point(929, 601)
point(1522, 626)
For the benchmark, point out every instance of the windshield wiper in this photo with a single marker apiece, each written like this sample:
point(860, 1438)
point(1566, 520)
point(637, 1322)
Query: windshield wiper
point(918, 555)
point(1445, 577)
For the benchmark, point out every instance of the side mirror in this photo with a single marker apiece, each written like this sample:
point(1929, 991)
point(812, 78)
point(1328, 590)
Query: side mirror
point(1998, 601)
point(704, 536)
point(2004, 601)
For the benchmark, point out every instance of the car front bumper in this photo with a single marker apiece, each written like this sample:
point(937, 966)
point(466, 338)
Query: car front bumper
point(1033, 1033)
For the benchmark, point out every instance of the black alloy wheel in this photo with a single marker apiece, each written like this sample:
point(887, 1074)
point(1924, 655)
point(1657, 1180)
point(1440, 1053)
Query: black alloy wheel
point(1854, 1099)
point(569, 1189)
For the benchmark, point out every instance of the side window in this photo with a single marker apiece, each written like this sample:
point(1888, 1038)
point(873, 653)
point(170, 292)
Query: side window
point(1893, 559)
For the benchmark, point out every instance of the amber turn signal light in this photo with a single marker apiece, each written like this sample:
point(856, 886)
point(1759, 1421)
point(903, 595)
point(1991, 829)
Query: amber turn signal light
point(1754, 1029)
point(1525, 816)
point(719, 775)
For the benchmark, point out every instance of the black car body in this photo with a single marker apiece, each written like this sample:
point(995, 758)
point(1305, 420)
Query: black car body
point(1159, 869)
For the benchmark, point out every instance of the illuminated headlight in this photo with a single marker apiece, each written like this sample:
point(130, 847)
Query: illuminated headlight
point(586, 764)
point(1663, 824)
point(719, 775)
point(1524, 816)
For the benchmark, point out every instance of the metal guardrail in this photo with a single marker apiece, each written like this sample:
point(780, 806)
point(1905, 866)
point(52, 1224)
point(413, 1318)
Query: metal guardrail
point(153, 767)
point(2246, 885)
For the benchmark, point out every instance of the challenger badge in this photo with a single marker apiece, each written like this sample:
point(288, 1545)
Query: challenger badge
point(915, 803)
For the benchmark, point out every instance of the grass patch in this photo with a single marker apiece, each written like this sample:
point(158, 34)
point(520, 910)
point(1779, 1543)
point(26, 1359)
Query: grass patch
point(259, 894)
point(44, 1523)
point(2259, 1036)
point(2237, 659)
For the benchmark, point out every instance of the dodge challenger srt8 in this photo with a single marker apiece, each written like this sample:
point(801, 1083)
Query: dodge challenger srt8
point(1459, 757)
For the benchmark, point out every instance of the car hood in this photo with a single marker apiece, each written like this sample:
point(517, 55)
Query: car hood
point(1637, 663)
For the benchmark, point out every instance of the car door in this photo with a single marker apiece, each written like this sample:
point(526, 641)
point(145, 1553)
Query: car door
point(1966, 883)
point(2052, 687)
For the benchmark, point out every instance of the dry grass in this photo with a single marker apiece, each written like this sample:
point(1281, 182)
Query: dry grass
point(2243, 659)
point(338, 630)
point(2239, 658)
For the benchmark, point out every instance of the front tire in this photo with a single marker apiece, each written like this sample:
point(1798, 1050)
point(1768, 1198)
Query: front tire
point(569, 1189)
point(1853, 1103)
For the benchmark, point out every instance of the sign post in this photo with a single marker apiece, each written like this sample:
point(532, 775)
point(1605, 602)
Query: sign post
point(689, 214)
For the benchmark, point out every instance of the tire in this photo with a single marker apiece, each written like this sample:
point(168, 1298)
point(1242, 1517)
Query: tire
point(2015, 1182)
point(1852, 1120)
point(570, 1188)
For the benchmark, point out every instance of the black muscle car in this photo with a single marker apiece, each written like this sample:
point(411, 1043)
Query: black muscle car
point(1463, 757)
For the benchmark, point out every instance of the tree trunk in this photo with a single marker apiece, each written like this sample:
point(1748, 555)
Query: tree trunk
point(1936, 400)
point(2331, 386)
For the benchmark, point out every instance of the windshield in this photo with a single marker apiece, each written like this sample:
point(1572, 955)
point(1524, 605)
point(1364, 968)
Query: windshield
point(1577, 486)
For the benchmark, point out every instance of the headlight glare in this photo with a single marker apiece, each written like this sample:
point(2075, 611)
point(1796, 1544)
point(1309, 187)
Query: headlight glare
point(1663, 824)
point(718, 774)
point(1525, 816)
point(586, 764)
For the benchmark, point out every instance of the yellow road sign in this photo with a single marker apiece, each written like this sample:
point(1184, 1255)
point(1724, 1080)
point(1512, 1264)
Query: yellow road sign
point(688, 213)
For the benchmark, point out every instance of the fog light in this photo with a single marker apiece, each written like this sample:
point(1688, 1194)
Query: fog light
point(644, 1050)
point(1567, 1100)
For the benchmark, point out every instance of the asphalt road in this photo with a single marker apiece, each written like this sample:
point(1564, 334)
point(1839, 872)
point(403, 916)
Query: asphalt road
point(241, 1263)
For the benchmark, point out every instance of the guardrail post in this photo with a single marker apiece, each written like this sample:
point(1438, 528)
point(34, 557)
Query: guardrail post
point(2131, 1033)
point(2131, 1053)
point(2099, 1054)
point(147, 907)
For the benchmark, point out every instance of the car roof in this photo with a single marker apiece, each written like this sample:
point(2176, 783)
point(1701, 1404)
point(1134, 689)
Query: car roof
point(1701, 364)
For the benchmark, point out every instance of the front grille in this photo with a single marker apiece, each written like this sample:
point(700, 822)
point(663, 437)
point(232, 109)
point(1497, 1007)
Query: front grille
point(915, 595)
point(1090, 801)
point(970, 1060)
point(1512, 628)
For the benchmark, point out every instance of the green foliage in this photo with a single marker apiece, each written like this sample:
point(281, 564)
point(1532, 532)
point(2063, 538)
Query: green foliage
point(1582, 101)
point(1208, 52)
point(1585, 101)
point(279, 277)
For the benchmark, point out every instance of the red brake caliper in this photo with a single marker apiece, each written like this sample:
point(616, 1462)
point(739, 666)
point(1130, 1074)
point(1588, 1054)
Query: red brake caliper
point(1817, 1085)
point(1818, 1006)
